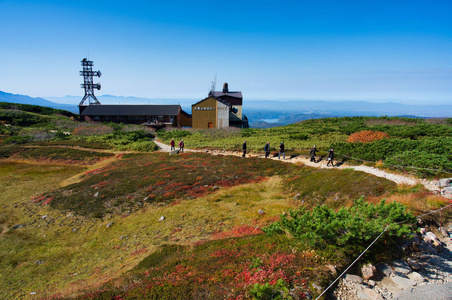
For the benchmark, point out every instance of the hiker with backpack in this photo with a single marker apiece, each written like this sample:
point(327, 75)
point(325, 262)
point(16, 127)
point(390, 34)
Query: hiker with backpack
point(330, 157)
point(281, 150)
point(267, 149)
point(181, 146)
point(312, 153)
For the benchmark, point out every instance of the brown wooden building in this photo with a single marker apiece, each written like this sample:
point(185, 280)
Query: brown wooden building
point(157, 116)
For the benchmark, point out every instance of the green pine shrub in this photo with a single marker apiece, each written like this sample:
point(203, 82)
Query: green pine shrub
point(353, 227)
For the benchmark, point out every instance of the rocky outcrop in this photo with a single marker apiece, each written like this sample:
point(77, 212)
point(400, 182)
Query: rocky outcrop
point(426, 274)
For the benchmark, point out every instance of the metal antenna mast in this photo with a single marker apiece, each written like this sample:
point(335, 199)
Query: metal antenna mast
point(88, 84)
point(212, 87)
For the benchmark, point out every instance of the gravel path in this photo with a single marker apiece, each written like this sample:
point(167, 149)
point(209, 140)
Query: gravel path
point(397, 178)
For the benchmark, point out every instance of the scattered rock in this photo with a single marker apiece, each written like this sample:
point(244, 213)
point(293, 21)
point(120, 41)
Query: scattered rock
point(139, 203)
point(174, 152)
point(332, 269)
point(415, 276)
point(414, 265)
point(161, 218)
point(400, 266)
point(426, 248)
point(353, 278)
point(371, 283)
point(445, 182)
point(74, 229)
point(109, 224)
point(437, 245)
point(44, 217)
point(317, 287)
point(69, 215)
point(123, 237)
point(96, 195)
point(430, 235)
point(366, 293)
point(261, 212)
point(443, 231)
point(368, 271)
point(39, 262)
point(18, 226)
point(385, 269)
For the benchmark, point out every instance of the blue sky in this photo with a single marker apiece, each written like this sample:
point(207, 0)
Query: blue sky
point(317, 50)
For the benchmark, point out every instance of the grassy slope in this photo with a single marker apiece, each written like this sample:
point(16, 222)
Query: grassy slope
point(70, 251)
point(80, 251)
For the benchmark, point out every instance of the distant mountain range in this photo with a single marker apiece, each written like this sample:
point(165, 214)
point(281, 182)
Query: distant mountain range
point(261, 114)
point(22, 99)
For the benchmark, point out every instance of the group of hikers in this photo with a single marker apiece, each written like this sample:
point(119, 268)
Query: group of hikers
point(181, 145)
point(312, 152)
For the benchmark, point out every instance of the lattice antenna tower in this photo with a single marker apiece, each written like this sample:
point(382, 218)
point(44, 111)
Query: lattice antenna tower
point(88, 84)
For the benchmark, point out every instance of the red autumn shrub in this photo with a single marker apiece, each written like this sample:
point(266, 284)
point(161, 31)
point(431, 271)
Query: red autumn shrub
point(367, 136)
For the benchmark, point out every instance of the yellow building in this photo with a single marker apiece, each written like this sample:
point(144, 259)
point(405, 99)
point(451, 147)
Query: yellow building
point(210, 113)
point(219, 110)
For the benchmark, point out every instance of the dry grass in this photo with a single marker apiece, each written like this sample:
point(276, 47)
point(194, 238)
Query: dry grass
point(419, 202)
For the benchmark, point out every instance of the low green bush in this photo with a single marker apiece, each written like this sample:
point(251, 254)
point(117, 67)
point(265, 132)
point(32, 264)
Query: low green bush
point(268, 292)
point(353, 228)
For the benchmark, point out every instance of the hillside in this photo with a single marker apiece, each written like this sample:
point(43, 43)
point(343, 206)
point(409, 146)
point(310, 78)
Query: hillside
point(95, 212)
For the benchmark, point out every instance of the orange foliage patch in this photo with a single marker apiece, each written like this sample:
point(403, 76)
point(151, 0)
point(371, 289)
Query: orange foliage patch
point(138, 252)
point(366, 136)
point(237, 231)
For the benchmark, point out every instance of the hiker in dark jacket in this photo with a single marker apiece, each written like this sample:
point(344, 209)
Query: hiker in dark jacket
point(244, 149)
point(172, 144)
point(281, 150)
point(267, 149)
point(330, 157)
point(312, 153)
point(181, 146)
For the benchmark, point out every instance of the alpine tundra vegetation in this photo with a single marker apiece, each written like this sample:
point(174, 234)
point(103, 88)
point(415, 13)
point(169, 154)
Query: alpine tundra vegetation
point(94, 211)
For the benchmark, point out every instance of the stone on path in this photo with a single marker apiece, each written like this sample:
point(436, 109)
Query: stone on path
point(368, 271)
point(414, 265)
point(415, 276)
point(385, 269)
point(353, 278)
point(400, 266)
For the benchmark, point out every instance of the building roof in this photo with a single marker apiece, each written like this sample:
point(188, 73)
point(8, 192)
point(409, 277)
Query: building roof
point(204, 100)
point(217, 94)
point(131, 110)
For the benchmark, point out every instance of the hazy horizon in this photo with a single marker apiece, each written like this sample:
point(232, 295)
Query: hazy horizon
point(369, 51)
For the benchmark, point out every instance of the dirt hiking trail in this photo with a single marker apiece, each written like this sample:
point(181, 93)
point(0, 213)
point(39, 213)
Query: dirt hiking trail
point(397, 178)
